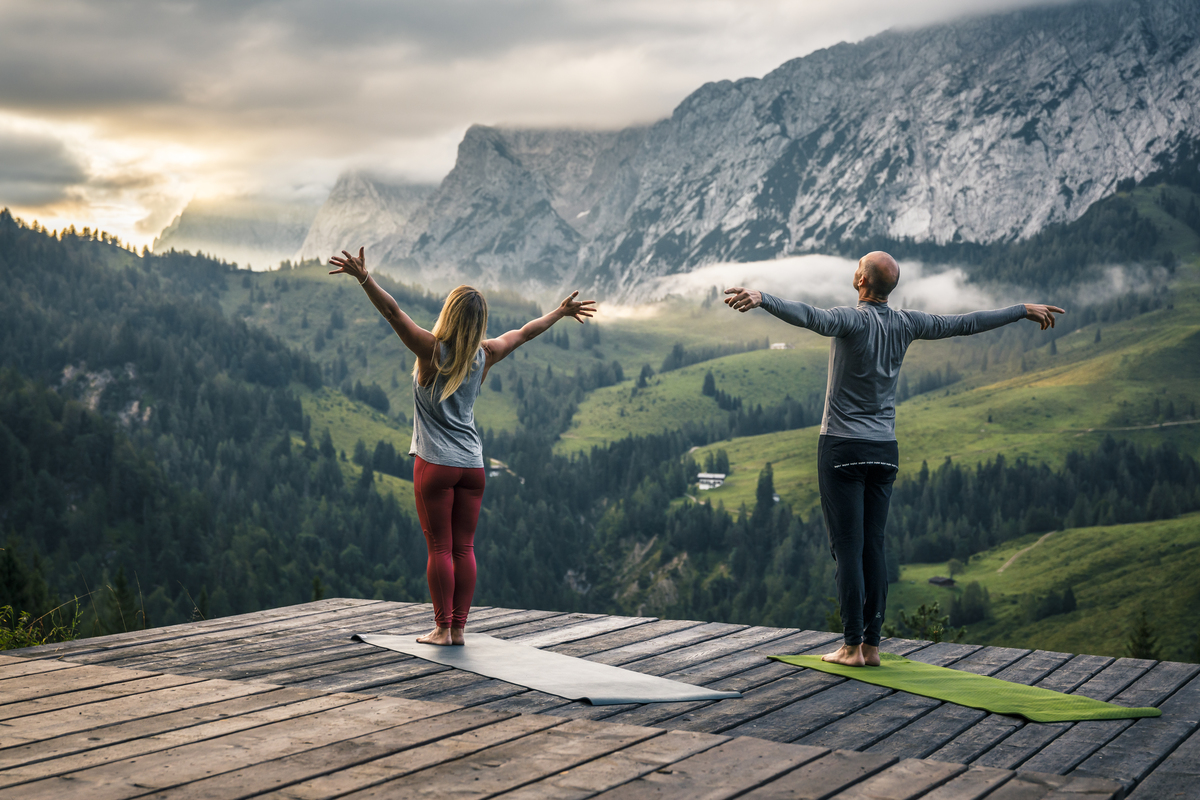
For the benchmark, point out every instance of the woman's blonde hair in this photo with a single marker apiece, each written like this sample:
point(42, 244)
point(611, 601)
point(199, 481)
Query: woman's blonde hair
point(459, 330)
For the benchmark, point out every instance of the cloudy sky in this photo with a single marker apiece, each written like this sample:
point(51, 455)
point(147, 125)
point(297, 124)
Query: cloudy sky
point(115, 113)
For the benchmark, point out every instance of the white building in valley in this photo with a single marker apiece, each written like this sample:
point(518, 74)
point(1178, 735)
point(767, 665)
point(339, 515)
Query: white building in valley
point(710, 480)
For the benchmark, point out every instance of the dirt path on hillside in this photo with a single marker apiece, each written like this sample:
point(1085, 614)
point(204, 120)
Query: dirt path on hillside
point(1024, 550)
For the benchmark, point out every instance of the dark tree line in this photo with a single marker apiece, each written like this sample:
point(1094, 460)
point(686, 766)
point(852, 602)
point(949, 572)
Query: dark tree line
point(955, 511)
point(196, 475)
point(681, 356)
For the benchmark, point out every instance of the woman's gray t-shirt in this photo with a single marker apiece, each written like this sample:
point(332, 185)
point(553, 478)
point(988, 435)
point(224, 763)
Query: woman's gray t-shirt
point(444, 432)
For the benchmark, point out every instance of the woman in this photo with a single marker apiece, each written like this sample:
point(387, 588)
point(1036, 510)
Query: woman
point(451, 364)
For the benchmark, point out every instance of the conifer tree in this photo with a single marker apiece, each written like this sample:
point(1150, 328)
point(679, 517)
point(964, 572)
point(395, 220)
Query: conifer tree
point(1143, 641)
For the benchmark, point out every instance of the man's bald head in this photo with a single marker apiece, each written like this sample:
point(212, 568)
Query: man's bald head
point(877, 272)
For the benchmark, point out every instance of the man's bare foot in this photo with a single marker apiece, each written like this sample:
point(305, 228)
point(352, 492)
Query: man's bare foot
point(438, 636)
point(458, 636)
point(871, 654)
point(847, 655)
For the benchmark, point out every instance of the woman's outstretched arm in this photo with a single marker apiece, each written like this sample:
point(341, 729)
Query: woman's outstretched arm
point(415, 338)
point(504, 344)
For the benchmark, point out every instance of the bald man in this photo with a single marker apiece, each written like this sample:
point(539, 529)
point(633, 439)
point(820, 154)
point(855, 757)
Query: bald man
point(857, 455)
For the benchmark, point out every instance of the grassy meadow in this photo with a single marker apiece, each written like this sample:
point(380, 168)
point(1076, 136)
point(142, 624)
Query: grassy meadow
point(1116, 572)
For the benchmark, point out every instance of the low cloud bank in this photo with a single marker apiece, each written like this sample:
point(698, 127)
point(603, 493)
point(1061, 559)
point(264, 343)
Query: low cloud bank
point(825, 281)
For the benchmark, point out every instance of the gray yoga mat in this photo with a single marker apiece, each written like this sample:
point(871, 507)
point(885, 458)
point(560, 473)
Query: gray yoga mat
point(552, 673)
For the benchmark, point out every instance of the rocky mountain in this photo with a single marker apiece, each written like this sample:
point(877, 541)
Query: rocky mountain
point(983, 130)
point(362, 209)
point(247, 231)
point(517, 207)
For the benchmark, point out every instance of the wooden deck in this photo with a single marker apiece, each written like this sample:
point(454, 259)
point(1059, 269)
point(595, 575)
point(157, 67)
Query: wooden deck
point(282, 704)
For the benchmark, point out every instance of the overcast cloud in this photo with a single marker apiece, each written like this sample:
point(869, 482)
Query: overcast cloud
point(116, 113)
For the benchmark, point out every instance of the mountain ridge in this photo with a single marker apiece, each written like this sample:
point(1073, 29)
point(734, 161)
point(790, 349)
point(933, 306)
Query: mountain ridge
point(985, 130)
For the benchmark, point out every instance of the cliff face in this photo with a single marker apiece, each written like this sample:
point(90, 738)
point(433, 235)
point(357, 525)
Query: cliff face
point(361, 210)
point(983, 130)
point(516, 209)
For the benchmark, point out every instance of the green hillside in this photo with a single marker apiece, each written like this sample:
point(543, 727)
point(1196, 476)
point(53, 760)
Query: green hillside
point(673, 398)
point(1115, 573)
point(1062, 402)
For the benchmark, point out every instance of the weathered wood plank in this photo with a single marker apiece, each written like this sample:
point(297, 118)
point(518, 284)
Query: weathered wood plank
point(615, 769)
point(116, 709)
point(1065, 752)
point(909, 779)
point(509, 766)
point(151, 654)
point(254, 643)
point(823, 777)
point(21, 667)
point(577, 631)
point(451, 749)
point(187, 630)
point(1178, 777)
point(990, 660)
point(19, 714)
point(727, 770)
point(200, 759)
point(296, 768)
point(1073, 674)
point(64, 681)
point(361, 674)
point(1034, 786)
point(156, 734)
point(975, 783)
point(537, 622)
point(1137, 750)
point(453, 686)
point(644, 641)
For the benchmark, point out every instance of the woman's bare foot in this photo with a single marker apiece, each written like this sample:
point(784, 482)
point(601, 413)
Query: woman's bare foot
point(458, 636)
point(847, 655)
point(439, 636)
point(871, 654)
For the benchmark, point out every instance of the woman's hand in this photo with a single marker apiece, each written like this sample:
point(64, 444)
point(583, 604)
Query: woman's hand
point(578, 309)
point(354, 266)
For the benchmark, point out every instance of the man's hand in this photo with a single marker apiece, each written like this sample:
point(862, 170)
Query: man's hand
point(578, 309)
point(743, 299)
point(1042, 315)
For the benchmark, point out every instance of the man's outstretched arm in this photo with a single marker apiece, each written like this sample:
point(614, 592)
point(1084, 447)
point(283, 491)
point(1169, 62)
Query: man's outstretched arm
point(942, 326)
point(825, 322)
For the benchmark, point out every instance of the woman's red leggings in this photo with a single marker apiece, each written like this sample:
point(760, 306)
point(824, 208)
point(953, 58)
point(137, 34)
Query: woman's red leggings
point(448, 500)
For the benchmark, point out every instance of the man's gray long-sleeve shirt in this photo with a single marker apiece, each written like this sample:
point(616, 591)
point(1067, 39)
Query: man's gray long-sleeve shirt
point(867, 350)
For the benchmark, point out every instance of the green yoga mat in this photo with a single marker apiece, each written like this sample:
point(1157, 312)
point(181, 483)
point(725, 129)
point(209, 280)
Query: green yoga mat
point(975, 691)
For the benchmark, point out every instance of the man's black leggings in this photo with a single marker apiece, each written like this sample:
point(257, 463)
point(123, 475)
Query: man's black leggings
point(856, 477)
